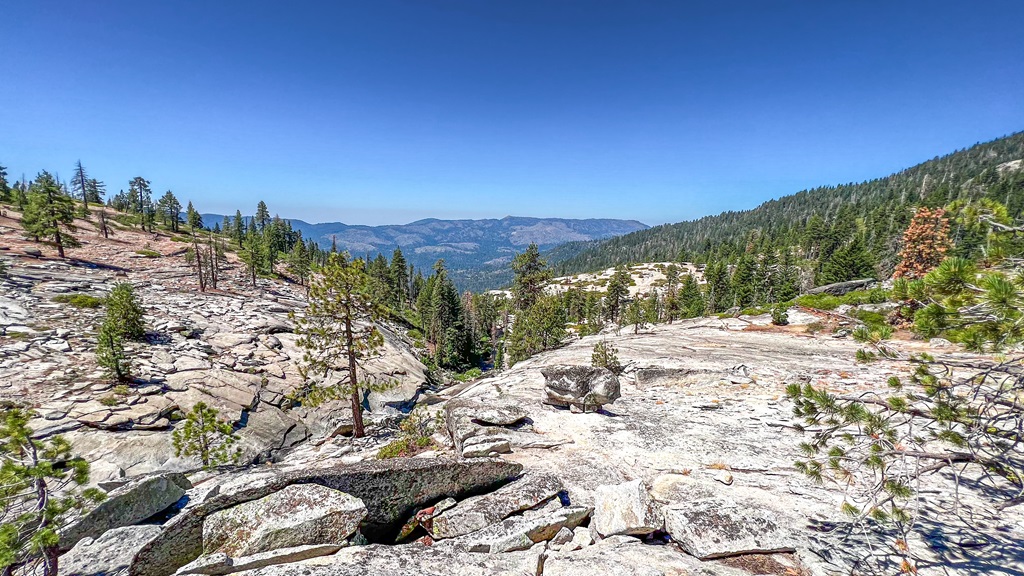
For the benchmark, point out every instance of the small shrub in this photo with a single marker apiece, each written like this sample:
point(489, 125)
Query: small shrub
point(779, 315)
point(79, 300)
point(110, 400)
point(414, 435)
point(606, 356)
point(122, 390)
point(148, 253)
point(815, 327)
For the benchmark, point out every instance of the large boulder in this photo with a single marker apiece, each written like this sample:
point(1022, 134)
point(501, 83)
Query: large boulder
point(625, 509)
point(479, 512)
point(476, 427)
point(391, 490)
point(585, 387)
point(298, 515)
point(721, 527)
point(127, 505)
point(108, 555)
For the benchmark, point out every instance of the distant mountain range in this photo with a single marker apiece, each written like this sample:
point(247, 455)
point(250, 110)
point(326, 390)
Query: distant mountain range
point(476, 252)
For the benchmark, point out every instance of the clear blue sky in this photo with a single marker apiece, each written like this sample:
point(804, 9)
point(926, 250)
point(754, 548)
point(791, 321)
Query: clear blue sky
point(387, 111)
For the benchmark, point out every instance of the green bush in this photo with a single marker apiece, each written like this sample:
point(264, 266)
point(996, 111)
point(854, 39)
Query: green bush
point(80, 300)
point(148, 253)
point(779, 315)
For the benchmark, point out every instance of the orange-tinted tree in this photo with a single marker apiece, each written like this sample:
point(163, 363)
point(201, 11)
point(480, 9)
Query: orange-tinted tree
point(925, 243)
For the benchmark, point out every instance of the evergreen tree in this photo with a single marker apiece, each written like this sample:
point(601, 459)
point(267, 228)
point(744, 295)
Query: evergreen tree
point(204, 435)
point(139, 195)
point(743, 282)
point(618, 290)
point(110, 352)
point(238, 228)
point(95, 190)
point(691, 300)
point(170, 209)
point(50, 214)
point(298, 261)
point(193, 218)
point(262, 217)
point(40, 483)
point(80, 183)
point(5, 188)
point(399, 276)
point(338, 332)
point(850, 262)
point(124, 312)
point(540, 327)
point(531, 275)
point(671, 304)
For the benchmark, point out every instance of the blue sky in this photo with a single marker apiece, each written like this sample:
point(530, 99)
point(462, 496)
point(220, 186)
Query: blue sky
point(388, 111)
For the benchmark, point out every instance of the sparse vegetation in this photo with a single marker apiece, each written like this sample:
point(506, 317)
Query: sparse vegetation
point(80, 300)
point(205, 436)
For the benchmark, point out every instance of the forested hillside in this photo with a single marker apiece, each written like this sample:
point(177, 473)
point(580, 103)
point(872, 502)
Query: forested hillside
point(863, 220)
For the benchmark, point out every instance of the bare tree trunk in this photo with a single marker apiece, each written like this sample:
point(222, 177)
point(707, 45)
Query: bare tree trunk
point(357, 405)
point(199, 265)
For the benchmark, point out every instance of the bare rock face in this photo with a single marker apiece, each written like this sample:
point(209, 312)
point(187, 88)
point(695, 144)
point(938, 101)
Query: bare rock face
point(219, 564)
point(522, 532)
point(625, 509)
point(585, 387)
point(390, 489)
point(108, 555)
point(298, 515)
point(720, 527)
point(480, 512)
point(127, 505)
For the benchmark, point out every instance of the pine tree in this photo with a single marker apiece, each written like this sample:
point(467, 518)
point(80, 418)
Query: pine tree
point(399, 274)
point(5, 188)
point(238, 228)
point(170, 209)
point(540, 327)
point(262, 217)
point(298, 261)
point(50, 214)
point(850, 262)
point(140, 197)
point(338, 333)
point(925, 243)
point(617, 291)
point(80, 183)
point(124, 312)
point(193, 218)
point(743, 282)
point(110, 352)
point(691, 300)
point(205, 436)
point(40, 484)
point(531, 275)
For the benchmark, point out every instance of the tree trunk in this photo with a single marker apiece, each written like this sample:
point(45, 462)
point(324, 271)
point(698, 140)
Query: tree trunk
point(357, 405)
point(57, 240)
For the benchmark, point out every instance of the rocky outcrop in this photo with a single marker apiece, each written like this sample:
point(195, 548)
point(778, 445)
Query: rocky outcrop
point(720, 527)
point(478, 512)
point(390, 489)
point(127, 505)
point(478, 428)
point(522, 532)
point(587, 388)
point(109, 554)
point(297, 515)
point(625, 509)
